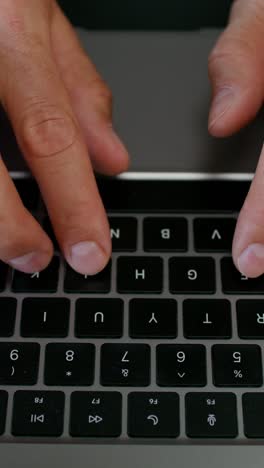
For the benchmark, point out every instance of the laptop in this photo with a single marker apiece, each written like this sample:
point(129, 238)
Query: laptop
point(157, 360)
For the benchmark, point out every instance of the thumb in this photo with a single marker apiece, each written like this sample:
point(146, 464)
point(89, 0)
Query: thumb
point(236, 69)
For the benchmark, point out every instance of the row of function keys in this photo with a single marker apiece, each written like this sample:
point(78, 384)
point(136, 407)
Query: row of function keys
point(148, 318)
point(149, 414)
point(177, 365)
point(140, 275)
point(166, 234)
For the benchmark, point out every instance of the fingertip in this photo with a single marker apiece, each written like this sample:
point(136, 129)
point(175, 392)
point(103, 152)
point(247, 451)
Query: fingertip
point(120, 162)
point(31, 262)
point(222, 102)
point(250, 262)
point(232, 109)
point(28, 249)
point(108, 154)
point(118, 154)
point(87, 257)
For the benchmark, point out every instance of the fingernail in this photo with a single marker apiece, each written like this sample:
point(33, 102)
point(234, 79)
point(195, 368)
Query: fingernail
point(221, 104)
point(87, 258)
point(251, 261)
point(31, 262)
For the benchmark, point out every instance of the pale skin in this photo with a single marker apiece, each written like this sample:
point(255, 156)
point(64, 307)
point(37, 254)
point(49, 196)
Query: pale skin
point(60, 110)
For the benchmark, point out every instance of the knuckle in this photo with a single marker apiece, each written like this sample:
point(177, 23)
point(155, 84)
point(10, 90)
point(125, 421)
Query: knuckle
point(47, 130)
point(232, 47)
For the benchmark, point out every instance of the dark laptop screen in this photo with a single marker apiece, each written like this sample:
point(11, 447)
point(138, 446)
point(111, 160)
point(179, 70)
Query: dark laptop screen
point(147, 14)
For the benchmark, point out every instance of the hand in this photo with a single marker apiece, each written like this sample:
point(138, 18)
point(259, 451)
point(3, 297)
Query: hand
point(236, 69)
point(60, 110)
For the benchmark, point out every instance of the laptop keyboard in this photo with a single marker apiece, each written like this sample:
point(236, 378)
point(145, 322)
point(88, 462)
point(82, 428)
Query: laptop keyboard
point(164, 345)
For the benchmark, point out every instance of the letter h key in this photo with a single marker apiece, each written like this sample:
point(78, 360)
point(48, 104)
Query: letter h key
point(139, 274)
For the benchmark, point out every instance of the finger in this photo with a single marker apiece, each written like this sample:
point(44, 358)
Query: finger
point(50, 138)
point(248, 244)
point(236, 69)
point(91, 99)
point(23, 244)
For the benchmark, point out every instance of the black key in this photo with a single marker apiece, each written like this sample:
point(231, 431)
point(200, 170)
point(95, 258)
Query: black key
point(234, 282)
point(207, 318)
point(47, 226)
point(45, 317)
point(38, 413)
point(69, 364)
point(19, 363)
point(192, 275)
point(139, 274)
point(153, 414)
point(125, 365)
point(77, 283)
point(211, 415)
point(3, 406)
point(3, 275)
point(181, 365)
point(253, 410)
point(237, 365)
point(96, 414)
point(28, 192)
point(214, 234)
point(44, 281)
point(99, 318)
point(250, 319)
point(153, 318)
point(165, 234)
point(7, 316)
point(123, 233)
